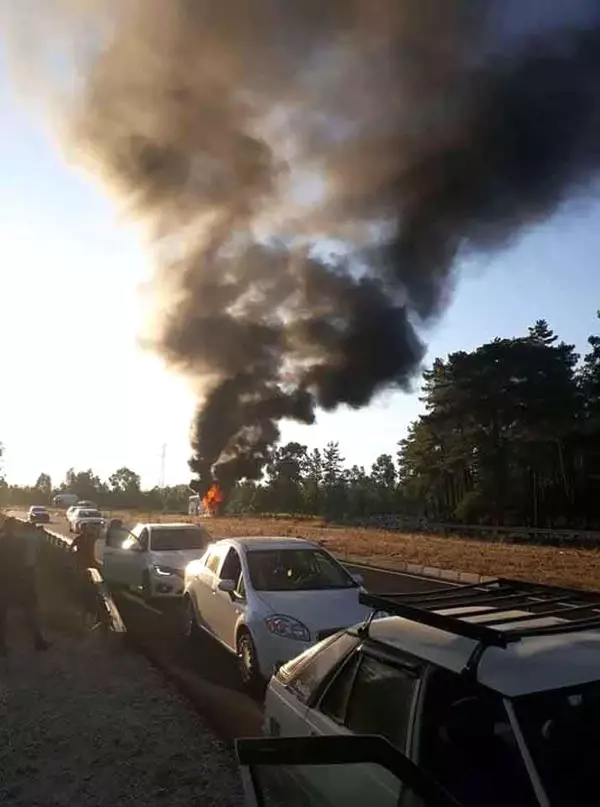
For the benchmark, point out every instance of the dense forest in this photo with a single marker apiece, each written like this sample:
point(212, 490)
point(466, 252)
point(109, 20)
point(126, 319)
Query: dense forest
point(510, 435)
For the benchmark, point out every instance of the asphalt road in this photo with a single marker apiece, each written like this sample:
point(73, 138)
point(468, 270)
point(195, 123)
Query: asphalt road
point(209, 670)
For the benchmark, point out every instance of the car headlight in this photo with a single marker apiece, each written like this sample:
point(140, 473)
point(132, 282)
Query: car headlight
point(288, 627)
point(167, 571)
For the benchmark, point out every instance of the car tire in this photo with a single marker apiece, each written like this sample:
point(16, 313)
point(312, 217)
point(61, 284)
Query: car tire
point(247, 660)
point(146, 587)
point(189, 623)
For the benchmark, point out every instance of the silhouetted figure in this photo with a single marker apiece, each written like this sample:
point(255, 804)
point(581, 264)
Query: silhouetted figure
point(18, 589)
point(83, 546)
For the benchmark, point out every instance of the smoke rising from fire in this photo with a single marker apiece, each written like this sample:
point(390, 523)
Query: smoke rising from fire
point(419, 130)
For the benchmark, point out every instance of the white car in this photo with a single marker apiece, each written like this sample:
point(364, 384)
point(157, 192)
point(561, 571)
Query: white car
point(151, 557)
point(70, 510)
point(493, 689)
point(81, 515)
point(268, 599)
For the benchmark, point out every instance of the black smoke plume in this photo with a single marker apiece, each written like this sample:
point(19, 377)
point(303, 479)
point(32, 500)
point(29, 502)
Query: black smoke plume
point(311, 173)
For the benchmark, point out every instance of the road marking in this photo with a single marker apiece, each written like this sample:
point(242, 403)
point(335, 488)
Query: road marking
point(398, 573)
point(139, 601)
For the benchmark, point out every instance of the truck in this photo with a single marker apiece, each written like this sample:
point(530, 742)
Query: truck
point(195, 505)
point(65, 499)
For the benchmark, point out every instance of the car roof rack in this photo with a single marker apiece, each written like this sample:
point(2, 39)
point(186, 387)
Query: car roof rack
point(489, 603)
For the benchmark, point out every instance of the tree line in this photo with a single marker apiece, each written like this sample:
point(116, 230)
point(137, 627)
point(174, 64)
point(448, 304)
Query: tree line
point(122, 490)
point(510, 435)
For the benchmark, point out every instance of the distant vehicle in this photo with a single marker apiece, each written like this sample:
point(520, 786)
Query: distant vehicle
point(268, 599)
point(38, 515)
point(78, 505)
point(65, 500)
point(195, 506)
point(152, 557)
point(79, 516)
point(493, 689)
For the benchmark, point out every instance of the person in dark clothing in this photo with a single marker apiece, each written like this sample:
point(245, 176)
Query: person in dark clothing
point(18, 589)
point(84, 544)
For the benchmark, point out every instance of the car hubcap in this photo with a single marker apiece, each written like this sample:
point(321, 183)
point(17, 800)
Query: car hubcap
point(246, 656)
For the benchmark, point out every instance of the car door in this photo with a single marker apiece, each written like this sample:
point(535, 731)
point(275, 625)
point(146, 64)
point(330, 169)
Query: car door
point(466, 741)
point(203, 587)
point(327, 771)
point(134, 557)
point(226, 607)
point(120, 555)
point(111, 555)
point(371, 694)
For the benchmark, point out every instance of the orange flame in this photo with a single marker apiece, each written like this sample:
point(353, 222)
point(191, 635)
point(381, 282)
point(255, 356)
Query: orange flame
point(212, 499)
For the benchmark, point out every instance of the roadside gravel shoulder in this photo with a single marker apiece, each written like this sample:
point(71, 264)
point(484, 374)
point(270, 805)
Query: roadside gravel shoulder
point(94, 725)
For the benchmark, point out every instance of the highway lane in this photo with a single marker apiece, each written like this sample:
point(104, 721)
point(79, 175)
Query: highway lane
point(208, 670)
point(375, 578)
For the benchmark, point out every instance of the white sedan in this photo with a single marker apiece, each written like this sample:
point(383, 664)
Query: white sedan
point(151, 557)
point(268, 599)
point(81, 515)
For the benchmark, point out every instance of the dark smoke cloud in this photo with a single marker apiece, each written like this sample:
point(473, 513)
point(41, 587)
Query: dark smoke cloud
point(435, 128)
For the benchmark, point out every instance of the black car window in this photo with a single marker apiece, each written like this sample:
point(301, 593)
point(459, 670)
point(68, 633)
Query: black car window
point(232, 566)
point(307, 673)
point(143, 539)
point(381, 700)
point(467, 743)
point(333, 702)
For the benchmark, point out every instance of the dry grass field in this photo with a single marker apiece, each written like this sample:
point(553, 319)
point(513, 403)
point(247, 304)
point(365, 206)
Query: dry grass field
point(568, 567)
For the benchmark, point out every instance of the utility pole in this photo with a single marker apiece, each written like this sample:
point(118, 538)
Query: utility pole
point(163, 456)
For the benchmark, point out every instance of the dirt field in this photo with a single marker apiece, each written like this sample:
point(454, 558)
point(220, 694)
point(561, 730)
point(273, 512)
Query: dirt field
point(569, 567)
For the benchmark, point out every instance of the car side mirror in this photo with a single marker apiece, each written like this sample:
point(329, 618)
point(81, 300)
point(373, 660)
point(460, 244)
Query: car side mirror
point(227, 585)
point(358, 579)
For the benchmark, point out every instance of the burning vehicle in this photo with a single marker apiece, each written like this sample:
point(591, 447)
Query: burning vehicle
point(208, 504)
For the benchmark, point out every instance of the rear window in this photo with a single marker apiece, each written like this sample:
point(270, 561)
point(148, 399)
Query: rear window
point(89, 514)
point(174, 538)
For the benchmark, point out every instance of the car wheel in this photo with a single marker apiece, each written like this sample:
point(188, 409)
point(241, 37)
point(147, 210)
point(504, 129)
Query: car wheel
point(146, 586)
point(188, 619)
point(247, 659)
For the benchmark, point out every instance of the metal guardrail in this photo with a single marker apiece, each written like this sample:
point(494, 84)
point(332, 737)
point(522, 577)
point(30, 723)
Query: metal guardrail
point(108, 607)
point(113, 616)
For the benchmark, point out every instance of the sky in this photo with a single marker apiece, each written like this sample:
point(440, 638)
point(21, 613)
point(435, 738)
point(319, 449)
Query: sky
point(78, 390)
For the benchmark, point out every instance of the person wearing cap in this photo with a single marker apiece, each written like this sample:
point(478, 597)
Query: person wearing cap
point(18, 587)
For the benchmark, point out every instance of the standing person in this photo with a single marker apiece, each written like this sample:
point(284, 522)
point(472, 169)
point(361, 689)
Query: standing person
point(18, 589)
point(84, 545)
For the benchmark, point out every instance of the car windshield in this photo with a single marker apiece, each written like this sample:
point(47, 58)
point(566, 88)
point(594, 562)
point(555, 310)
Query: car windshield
point(296, 570)
point(38, 509)
point(560, 729)
point(165, 539)
point(89, 514)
